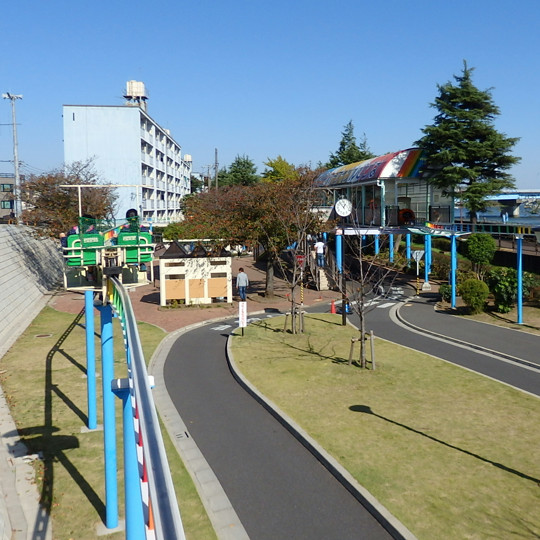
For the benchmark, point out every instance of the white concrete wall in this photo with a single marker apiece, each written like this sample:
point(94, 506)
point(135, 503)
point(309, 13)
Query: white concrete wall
point(29, 267)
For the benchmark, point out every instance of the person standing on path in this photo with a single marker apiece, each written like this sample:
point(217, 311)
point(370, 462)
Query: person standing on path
point(242, 282)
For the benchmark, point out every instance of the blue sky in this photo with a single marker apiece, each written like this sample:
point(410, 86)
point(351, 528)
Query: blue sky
point(264, 79)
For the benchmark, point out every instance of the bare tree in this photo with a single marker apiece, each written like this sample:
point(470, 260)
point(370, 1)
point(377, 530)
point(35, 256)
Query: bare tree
point(368, 274)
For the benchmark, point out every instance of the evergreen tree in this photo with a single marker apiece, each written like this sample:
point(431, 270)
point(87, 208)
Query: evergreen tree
point(242, 171)
point(464, 152)
point(349, 151)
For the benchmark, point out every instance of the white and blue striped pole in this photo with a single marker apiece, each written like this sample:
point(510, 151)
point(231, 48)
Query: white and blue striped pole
point(391, 248)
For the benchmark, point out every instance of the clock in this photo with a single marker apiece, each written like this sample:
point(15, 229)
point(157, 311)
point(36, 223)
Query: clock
point(343, 207)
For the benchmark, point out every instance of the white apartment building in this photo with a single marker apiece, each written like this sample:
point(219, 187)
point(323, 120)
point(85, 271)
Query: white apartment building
point(129, 149)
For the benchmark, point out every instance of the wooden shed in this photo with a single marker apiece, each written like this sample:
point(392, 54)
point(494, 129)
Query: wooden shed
point(194, 276)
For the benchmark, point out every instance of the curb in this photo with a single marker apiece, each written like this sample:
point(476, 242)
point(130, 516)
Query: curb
point(461, 343)
point(221, 513)
point(386, 519)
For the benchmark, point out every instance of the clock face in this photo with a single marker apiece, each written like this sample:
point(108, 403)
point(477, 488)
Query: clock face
point(343, 207)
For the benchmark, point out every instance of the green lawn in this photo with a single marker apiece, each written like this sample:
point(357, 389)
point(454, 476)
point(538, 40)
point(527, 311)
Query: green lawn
point(43, 378)
point(450, 453)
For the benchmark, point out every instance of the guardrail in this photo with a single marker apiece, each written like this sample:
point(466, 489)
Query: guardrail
point(141, 428)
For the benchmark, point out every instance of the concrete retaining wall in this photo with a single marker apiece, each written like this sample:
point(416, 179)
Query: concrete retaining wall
point(30, 267)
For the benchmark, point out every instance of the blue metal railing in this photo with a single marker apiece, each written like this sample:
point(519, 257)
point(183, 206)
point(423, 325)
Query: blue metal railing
point(161, 513)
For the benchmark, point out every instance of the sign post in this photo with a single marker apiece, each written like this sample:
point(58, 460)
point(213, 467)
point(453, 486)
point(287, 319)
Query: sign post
point(417, 255)
point(301, 260)
point(242, 315)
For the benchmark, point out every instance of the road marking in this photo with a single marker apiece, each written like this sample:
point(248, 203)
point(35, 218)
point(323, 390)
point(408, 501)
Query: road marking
point(388, 304)
point(222, 327)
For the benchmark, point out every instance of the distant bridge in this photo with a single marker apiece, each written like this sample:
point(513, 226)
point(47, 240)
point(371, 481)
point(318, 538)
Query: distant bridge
point(511, 200)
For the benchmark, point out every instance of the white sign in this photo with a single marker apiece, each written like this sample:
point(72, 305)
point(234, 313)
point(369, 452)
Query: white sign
point(242, 314)
point(417, 254)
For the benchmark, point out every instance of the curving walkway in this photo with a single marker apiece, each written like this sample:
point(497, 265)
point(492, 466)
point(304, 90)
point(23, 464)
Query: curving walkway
point(276, 486)
point(273, 486)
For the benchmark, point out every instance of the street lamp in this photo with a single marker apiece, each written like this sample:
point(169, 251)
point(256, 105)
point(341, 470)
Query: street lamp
point(16, 199)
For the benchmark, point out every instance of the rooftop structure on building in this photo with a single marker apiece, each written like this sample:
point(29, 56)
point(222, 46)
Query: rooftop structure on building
point(389, 190)
point(131, 150)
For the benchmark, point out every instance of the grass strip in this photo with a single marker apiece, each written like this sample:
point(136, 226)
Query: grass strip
point(44, 381)
point(450, 453)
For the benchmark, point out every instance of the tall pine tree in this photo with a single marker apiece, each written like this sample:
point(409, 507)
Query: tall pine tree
point(349, 151)
point(464, 152)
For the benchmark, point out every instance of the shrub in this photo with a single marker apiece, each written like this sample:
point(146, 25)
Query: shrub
point(440, 265)
point(474, 293)
point(442, 244)
point(445, 290)
point(503, 284)
point(481, 248)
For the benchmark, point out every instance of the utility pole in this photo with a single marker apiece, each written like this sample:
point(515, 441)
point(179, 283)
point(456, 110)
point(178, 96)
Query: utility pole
point(216, 169)
point(208, 177)
point(16, 198)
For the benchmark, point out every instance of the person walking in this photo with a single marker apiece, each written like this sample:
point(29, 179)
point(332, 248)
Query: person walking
point(242, 282)
point(319, 250)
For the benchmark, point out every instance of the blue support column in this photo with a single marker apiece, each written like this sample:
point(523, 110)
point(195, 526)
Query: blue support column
point(519, 242)
point(427, 256)
point(339, 253)
point(109, 421)
point(377, 247)
point(453, 268)
point(408, 246)
point(391, 248)
point(90, 359)
point(135, 526)
point(429, 252)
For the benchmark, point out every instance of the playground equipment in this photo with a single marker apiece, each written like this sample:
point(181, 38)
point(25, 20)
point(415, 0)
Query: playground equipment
point(98, 247)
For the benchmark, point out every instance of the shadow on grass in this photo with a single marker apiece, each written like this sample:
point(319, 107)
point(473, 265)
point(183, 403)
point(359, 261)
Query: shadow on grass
point(367, 410)
point(52, 446)
point(506, 318)
point(310, 349)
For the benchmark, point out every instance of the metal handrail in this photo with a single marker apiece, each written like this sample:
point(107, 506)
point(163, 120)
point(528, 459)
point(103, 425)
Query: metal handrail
point(166, 514)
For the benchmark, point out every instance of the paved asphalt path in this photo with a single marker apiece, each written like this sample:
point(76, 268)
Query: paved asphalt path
point(277, 488)
point(514, 357)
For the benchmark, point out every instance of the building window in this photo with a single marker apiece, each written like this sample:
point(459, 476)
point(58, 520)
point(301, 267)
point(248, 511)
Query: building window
point(7, 205)
point(7, 187)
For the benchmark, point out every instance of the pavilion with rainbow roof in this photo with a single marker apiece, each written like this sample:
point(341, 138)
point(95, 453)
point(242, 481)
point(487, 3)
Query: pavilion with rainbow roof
point(387, 191)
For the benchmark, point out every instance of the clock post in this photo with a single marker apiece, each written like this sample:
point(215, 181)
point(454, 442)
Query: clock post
point(343, 208)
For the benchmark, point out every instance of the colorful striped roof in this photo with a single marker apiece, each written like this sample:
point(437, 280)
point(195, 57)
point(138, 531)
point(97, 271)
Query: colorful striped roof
point(402, 164)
